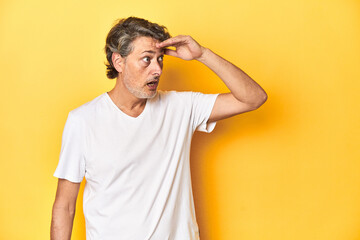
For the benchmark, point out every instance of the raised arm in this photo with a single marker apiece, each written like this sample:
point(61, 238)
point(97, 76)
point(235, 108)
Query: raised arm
point(63, 211)
point(245, 94)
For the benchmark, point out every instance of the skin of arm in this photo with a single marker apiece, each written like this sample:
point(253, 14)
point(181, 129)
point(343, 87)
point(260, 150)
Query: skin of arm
point(246, 95)
point(63, 211)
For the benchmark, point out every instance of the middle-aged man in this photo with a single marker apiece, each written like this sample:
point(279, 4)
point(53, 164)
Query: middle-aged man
point(132, 144)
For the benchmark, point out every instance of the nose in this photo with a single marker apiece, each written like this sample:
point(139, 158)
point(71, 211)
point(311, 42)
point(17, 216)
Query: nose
point(157, 68)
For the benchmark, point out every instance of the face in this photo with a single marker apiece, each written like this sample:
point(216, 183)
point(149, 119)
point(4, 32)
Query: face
point(142, 68)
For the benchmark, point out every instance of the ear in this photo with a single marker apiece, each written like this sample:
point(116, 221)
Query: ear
point(118, 61)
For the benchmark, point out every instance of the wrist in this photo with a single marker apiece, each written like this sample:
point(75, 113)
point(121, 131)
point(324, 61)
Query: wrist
point(204, 53)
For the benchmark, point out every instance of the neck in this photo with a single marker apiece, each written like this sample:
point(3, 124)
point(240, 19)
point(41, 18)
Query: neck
point(125, 100)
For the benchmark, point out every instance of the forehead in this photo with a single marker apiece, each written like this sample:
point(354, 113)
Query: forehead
point(145, 44)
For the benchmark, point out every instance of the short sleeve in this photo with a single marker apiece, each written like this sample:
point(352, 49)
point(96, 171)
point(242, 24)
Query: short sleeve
point(202, 105)
point(71, 164)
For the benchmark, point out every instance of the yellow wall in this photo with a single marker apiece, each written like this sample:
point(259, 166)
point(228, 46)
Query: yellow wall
point(289, 170)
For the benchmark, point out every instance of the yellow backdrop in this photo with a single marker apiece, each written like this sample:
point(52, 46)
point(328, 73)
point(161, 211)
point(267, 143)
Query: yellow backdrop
point(289, 170)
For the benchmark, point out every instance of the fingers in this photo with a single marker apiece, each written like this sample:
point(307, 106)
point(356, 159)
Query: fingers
point(174, 41)
point(170, 52)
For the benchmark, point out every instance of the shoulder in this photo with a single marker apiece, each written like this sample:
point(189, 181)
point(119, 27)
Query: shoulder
point(186, 96)
point(87, 109)
point(175, 95)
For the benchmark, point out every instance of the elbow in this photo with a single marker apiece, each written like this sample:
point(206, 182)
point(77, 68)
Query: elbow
point(264, 97)
point(260, 100)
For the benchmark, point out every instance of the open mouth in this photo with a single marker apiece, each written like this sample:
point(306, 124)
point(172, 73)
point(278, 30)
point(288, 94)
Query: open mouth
point(152, 84)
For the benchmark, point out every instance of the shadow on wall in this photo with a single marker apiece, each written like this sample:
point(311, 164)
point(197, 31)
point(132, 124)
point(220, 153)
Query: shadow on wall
point(206, 210)
point(243, 126)
point(79, 231)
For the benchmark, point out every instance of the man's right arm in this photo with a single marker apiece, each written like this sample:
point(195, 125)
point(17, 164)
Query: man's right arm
point(63, 211)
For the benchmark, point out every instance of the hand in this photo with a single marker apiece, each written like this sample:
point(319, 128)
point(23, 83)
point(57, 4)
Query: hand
point(186, 47)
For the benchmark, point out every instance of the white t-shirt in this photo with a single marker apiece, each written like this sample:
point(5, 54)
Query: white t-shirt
point(138, 182)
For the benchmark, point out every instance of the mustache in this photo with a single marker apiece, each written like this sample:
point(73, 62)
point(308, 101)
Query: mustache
point(153, 79)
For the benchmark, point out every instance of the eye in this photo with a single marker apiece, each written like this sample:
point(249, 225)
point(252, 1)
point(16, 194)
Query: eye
point(161, 58)
point(146, 59)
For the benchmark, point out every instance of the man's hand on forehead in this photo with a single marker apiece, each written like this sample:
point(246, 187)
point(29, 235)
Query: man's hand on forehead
point(186, 47)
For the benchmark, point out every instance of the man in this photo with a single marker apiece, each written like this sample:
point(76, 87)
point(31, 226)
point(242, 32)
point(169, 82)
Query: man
point(132, 143)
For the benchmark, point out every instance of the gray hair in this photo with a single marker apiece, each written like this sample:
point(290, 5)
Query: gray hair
point(123, 33)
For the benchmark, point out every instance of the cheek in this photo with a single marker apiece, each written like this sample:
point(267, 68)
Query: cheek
point(142, 70)
point(137, 72)
point(133, 70)
point(139, 68)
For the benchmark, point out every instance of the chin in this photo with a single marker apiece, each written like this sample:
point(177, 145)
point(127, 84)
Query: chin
point(143, 95)
point(153, 94)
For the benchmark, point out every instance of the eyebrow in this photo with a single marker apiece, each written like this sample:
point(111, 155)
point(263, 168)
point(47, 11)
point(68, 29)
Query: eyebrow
point(152, 52)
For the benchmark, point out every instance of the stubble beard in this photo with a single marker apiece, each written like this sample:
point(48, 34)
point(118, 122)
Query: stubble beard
point(137, 92)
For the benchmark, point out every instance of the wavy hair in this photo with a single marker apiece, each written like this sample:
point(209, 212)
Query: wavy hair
point(123, 33)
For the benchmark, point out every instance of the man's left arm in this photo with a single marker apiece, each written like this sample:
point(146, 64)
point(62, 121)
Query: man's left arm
point(246, 95)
